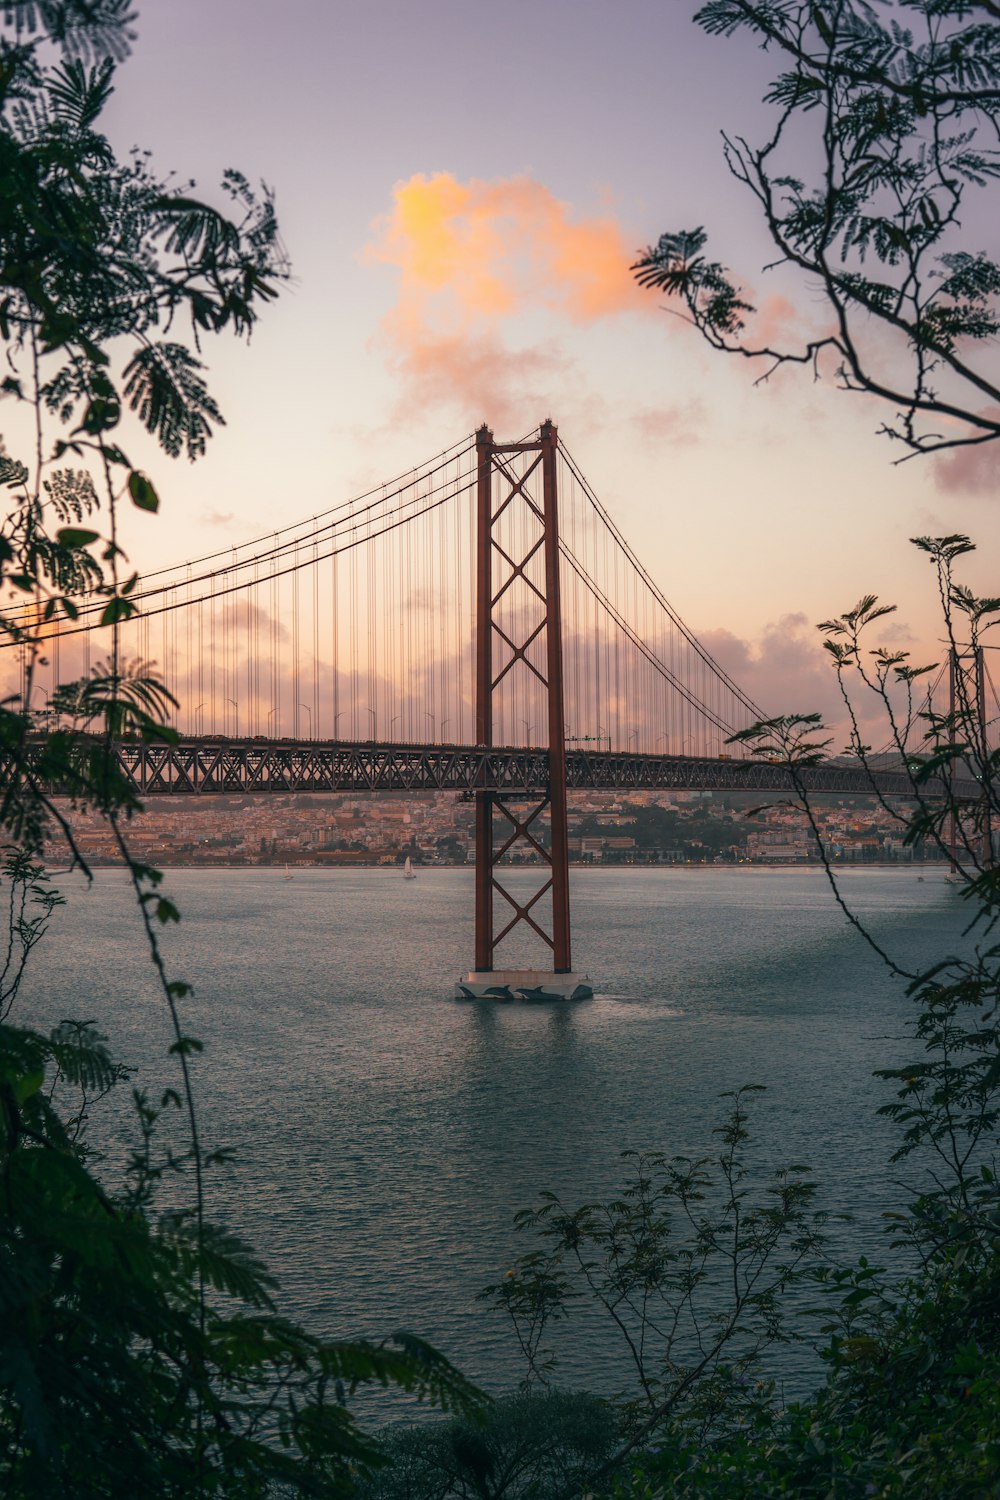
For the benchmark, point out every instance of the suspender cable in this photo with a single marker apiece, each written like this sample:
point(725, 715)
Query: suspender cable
point(314, 721)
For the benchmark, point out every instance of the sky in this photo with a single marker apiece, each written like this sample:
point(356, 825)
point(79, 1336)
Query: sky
point(461, 188)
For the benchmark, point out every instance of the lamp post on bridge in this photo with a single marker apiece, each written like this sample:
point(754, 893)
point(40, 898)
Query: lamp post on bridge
point(237, 708)
point(270, 716)
point(310, 713)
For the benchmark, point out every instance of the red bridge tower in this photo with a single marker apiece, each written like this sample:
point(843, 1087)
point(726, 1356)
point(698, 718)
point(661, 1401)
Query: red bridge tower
point(518, 554)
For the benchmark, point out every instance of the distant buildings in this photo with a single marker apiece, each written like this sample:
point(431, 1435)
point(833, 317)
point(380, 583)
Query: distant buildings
point(438, 828)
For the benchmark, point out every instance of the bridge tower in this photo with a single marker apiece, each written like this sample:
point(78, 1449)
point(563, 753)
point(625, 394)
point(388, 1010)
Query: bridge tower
point(514, 817)
point(967, 713)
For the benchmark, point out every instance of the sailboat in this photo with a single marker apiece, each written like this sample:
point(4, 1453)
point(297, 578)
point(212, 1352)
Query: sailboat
point(409, 873)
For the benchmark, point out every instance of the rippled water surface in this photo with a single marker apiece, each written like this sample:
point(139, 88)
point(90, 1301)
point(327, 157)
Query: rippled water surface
point(386, 1134)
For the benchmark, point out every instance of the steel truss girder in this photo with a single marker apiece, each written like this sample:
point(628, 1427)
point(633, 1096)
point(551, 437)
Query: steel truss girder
point(205, 768)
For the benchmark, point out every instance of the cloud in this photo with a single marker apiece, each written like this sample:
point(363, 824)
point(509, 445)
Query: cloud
point(680, 426)
point(506, 387)
point(897, 633)
point(776, 321)
point(972, 470)
point(786, 671)
point(473, 258)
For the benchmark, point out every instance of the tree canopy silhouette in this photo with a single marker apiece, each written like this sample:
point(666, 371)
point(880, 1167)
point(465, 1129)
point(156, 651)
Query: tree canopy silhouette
point(896, 109)
point(140, 1346)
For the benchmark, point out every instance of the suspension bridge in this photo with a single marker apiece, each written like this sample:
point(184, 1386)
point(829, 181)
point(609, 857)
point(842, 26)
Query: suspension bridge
point(479, 624)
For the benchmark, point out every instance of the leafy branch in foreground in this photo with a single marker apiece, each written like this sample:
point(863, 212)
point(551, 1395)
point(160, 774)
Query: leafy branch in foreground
point(899, 103)
point(140, 1348)
point(910, 1405)
point(948, 1100)
point(687, 1265)
point(116, 1377)
point(532, 1444)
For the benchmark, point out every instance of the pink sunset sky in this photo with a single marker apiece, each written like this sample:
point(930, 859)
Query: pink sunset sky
point(461, 188)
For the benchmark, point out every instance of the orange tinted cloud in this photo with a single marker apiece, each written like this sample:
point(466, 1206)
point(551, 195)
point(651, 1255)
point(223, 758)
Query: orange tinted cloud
point(776, 320)
point(503, 387)
point(473, 256)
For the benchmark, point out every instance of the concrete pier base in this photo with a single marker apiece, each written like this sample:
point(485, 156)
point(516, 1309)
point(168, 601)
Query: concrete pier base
point(531, 985)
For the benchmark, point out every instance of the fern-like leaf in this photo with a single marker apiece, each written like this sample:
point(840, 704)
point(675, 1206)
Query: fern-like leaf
point(165, 388)
point(78, 94)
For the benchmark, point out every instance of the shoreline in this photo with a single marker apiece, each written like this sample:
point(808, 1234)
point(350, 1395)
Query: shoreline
point(919, 867)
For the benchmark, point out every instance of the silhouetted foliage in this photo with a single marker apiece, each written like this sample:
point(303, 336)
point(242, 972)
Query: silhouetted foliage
point(536, 1443)
point(140, 1349)
point(896, 108)
point(688, 1265)
point(910, 1406)
point(900, 104)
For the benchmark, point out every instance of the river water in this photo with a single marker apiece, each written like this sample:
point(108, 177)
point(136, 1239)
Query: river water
point(385, 1134)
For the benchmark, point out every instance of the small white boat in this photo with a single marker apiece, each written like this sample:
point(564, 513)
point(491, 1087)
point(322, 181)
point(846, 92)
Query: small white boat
point(409, 873)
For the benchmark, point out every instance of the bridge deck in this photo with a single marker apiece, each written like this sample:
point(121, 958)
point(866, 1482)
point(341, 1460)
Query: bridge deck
point(196, 767)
